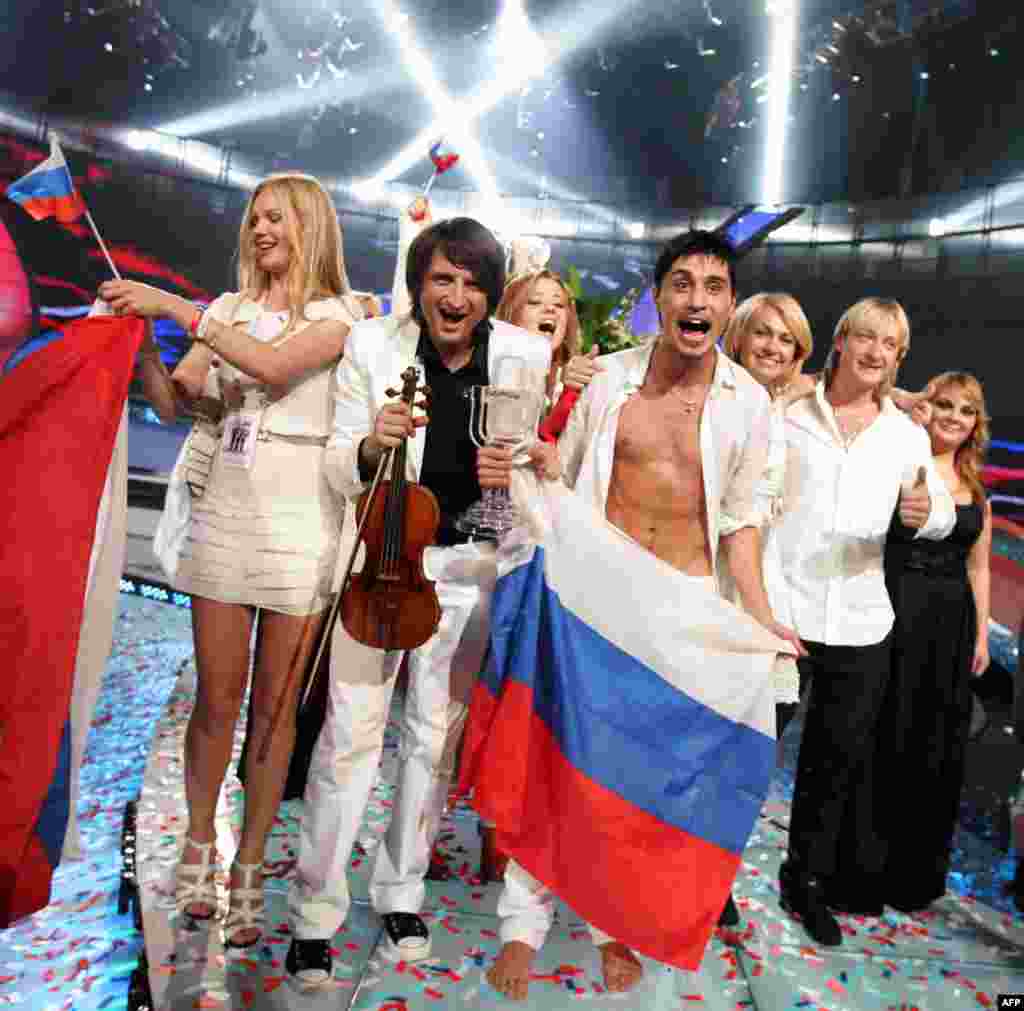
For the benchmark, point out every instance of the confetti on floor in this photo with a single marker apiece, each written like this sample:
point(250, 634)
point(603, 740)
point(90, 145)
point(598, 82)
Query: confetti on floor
point(79, 953)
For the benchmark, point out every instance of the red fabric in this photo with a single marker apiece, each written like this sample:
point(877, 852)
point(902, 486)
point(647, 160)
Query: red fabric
point(59, 414)
point(554, 424)
point(548, 815)
point(997, 475)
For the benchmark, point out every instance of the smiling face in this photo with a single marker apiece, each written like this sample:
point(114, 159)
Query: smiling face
point(452, 303)
point(768, 349)
point(268, 232)
point(954, 418)
point(695, 301)
point(545, 311)
point(870, 351)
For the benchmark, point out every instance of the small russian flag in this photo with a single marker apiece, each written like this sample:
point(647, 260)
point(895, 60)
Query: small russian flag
point(48, 190)
point(443, 160)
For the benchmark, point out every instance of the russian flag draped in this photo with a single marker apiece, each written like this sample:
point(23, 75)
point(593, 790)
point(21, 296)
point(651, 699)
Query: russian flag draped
point(59, 415)
point(47, 191)
point(622, 736)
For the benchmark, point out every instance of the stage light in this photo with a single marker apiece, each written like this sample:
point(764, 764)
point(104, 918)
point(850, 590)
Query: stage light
point(137, 140)
point(281, 102)
point(570, 31)
point(636, 230)
point(368, 191)
point(936, 228)
point(520, 51)
point(784, 17)
point(449, 121)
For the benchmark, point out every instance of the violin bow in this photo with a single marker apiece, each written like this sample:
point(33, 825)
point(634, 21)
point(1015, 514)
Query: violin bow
point(325, 635)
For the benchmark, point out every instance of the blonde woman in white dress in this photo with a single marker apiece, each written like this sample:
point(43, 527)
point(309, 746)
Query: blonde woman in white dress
point(263, 525)
point(769, 335)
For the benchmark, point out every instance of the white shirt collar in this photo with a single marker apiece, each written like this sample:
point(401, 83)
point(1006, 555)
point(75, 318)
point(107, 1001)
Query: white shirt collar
point(724, 375)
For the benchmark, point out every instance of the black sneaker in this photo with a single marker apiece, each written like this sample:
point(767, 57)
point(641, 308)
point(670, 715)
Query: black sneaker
point(730, 915)
point(866, 905)
point(406, 938)
point(804, 898)
point(308, 963)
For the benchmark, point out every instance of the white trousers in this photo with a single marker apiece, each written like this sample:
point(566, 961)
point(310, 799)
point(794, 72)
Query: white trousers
point(526, 909)
point(347, 754)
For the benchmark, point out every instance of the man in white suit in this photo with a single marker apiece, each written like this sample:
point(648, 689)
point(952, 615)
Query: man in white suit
point(455, 276)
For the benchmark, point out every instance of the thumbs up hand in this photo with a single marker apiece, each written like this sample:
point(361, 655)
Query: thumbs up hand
point(915, 501)
point(581, 369)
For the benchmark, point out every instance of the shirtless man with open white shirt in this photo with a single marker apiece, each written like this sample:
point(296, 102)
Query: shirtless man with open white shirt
point(851, 456)
point(669, 441)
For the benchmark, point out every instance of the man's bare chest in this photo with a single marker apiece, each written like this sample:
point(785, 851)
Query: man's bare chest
point(658, 431)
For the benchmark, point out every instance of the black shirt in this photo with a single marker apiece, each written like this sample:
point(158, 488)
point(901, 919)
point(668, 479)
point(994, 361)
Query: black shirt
point(449, 455)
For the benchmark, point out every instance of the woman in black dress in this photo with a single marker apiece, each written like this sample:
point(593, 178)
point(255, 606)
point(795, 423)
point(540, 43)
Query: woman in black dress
point(940, 593)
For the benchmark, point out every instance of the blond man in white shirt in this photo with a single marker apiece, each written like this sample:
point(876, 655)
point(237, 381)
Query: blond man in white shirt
point(669, 442)
point(851, 458)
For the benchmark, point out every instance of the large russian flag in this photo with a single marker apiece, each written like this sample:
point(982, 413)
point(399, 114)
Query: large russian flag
point(47, 191)
point(59, 415)
point(622, 735)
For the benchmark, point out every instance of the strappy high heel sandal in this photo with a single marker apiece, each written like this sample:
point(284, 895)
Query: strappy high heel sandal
point(246, 910)
point(196, 884)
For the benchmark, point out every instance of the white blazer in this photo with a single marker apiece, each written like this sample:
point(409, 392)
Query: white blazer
point(377, 352)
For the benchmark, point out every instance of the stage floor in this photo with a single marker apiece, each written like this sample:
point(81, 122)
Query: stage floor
point(78, 953)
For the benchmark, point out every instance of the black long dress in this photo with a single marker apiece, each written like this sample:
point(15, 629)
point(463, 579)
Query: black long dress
point(922, 736)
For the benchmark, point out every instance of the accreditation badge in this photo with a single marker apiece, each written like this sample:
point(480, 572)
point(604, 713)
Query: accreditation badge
point(238, 443)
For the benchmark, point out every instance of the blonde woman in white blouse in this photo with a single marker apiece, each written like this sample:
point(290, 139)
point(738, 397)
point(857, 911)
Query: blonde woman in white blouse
point(770, 337)
point(263, 525)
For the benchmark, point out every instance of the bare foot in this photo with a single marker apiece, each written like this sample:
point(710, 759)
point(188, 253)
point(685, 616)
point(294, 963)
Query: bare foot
point(622, 970)
point(510, 973)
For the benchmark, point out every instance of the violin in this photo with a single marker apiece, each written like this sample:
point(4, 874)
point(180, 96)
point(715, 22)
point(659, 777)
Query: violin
point(391, 604)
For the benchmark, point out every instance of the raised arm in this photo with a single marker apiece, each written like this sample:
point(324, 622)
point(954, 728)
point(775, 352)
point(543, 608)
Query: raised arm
point(411, 222)
point(312, 348)
point(941, 515)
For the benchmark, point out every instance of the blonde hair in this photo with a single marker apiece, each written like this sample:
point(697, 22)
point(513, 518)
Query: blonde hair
point(316, 267)
point(858, 314)
point(971, 454)
point(792, 315)
point(514, 297)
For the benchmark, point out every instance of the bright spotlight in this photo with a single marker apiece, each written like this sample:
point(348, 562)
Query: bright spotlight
point(936, 228)
point(137, 140)
point(369, 191)
point(636, 230)
point(284, 101)
point(522, 52)
point(784, 18)
point(450, 120)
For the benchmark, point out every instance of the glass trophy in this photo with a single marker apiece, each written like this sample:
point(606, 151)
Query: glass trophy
point(506, 414)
